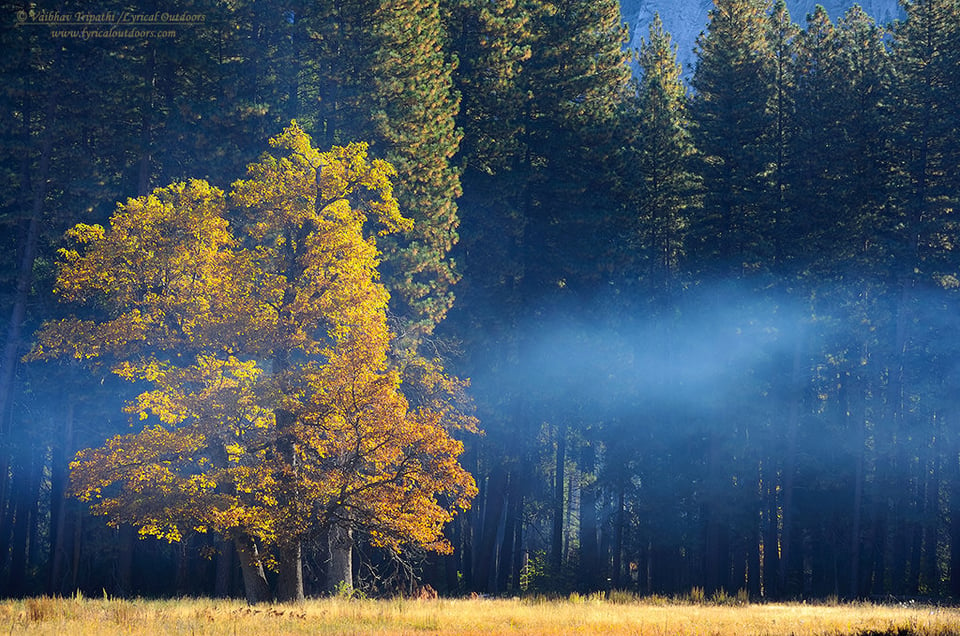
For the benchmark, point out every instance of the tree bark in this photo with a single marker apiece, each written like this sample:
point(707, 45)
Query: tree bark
point(24, 522)
point(556, 545)
point(126, 542)
point(508, 547)
point(289, 555)
point(290, 581)
point(485, 570)
point(789, 468)
point(255, 584)
point(953, 476)
point(340, 570)
point(589, 545)
point(58, 502)
point(771, 538)
point(620, 522)
point(182, 579)
point(224, 569)
point(493, 585)
point(519, 554)
point(931, 517)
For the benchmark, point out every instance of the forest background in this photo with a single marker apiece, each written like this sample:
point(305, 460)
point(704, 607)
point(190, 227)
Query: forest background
point(710, 329)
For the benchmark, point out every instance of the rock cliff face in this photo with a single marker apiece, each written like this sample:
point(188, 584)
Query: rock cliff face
point(685, 19)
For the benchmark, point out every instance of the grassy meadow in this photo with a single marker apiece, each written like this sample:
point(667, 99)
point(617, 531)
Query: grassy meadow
point(488, 617)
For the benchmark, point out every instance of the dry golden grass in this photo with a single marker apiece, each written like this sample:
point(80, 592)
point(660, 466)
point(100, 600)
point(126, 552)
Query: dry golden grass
point(579, 615)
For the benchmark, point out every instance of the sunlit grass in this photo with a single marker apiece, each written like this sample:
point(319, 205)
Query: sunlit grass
point(576, 615)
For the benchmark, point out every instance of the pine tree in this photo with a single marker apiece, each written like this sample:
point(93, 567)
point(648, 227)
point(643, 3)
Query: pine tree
point(815, 142)
point(864, 76)
point(414, 114)
point(731, 234)
point(493, 41)
point(926, 151)
point(782, 34)
point(341, 51)
point(732, 126)
point(543, 85)
point(381, 71)
point(577, 79)
point(660, 161)
point(927, 138)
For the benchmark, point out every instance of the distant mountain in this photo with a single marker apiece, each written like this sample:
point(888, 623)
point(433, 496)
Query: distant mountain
point(685, 19)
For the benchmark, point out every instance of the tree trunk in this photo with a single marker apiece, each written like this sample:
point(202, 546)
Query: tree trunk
point(556, 545)
point(589, 545)
point(77, 548)
point(789, 469)
point(126, 542)
point(25, 522)
point(289, 555)
point(255, 584)
point(620, 521)
point(35, 187)
point(931, 518)
point(953, 477)
point(771, 539)
point(290, 581)
point(224, 570)
point(494, 512)
point(182, 582)
point(508, 546)
point(340, 570)
point(452, 562)
point(519, 554)
point(756, 530)
point(58, 502)
point(716, 519)
point(503, 540)
point(856, 393)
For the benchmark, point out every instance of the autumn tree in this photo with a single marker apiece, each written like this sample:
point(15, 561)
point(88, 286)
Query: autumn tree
point(272, 413)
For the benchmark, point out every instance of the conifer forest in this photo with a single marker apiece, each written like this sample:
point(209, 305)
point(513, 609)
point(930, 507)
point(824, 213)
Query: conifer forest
point(303, 297)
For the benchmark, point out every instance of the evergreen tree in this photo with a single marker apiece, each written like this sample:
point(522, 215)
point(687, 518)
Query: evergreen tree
point(863, 84)
point(816, 141)
point(381, 71)
point(577, 80)
point(782, 33)
point(732, 126)
point(661, 160)
point(341, 52)
point(494, 42)
point(926, 151)
point(543, 87)
point(414, 114)
point(927, 136)
point(731, 237)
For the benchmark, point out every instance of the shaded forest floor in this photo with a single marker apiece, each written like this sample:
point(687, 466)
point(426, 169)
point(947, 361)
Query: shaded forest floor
point(577, 615)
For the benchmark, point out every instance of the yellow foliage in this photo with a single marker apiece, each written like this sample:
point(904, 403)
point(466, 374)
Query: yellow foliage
point(259, 323)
